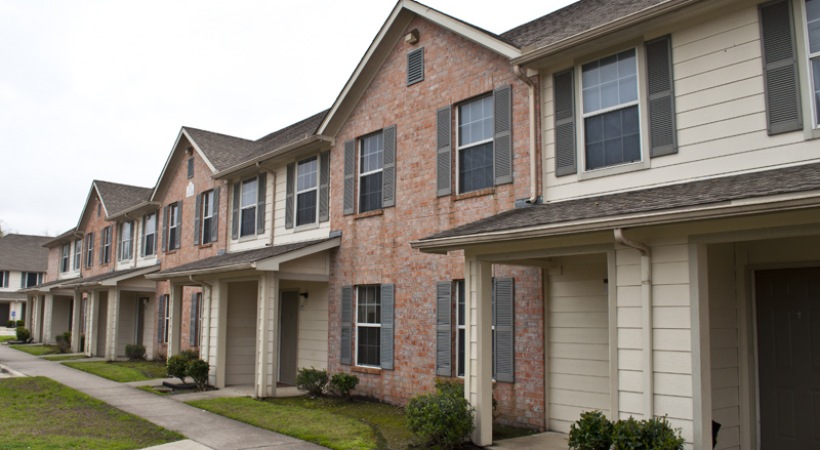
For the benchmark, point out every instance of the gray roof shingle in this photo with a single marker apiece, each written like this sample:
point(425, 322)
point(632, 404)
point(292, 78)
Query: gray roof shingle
point(119, 197)
point(24, 253)
point(696, 193)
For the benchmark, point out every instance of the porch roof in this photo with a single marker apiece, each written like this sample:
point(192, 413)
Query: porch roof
point(247, 259)
point(748, 193)
point(44, 287)
point(109, 278)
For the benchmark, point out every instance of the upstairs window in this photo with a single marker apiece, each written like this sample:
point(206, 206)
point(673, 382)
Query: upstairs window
point(813, 31)
point(375, 155)
point(149, 234)
point(30, 279)
point(206, 217)
point(172, 227)
point(4, 278)
point(89, 250)
point(475, 145)
point(64, 257)
point(307, 191)
point(105, 246)
point(78, 253)
point(126, 243)
point(371, 160)
point(249, 207)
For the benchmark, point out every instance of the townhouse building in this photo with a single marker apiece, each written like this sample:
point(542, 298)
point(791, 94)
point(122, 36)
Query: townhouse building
point(23, 263)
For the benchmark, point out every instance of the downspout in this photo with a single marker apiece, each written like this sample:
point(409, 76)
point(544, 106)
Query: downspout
point(646, 320)
point(533, 163)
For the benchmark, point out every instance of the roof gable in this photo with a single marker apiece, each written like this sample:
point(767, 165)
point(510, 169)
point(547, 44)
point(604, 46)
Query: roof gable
point(114, 198)
point(23, 252)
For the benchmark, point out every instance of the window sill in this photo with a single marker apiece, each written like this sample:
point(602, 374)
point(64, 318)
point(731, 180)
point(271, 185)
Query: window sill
point(365, 215)
point(208, 245)
point(305, 227)
point(614, 170)
point(370, 370)
point(473, 194)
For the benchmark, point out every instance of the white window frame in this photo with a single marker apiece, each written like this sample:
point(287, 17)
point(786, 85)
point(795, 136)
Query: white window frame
point(126, 242)
point(363, 174)
point(459, 147)
point(106, 244)
point(4, 278)
point(173, 224)
point(359, 324)
point(298, 192)
point(78, 253)
point(147, 231)
point(65, 265)
point(252, 205)
point(89, 251)
point(207, 201)
point(809, 72)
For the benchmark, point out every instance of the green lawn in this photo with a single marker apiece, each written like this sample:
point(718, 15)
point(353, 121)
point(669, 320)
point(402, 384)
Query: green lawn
point(40, 413)
point(121, 371)
point(7, 338)
point(64, 357)
point(36, 350)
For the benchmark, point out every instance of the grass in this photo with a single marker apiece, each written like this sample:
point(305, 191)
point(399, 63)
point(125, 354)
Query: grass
point(121, 371)
point(7, 338)
point(64, 357)
point(40, 413)
point(36, 350)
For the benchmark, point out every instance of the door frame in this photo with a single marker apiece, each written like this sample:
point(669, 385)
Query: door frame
point(282, 293)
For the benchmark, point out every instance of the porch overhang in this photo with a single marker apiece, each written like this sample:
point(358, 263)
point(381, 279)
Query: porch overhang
point(110, 279)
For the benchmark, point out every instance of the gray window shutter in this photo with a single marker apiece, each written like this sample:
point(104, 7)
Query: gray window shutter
point(415, 66)
point(564, 100)
point(161, 318)
point(165, 228)
point(661, 90)
point(444, 330)
point(260, 203)
point(444, 151)
point(102, 246)
point(504, 351)
point(197, 217)
point(235, 214)
point(118, 255)
point(192, 333)
point(289, 188)
point(386, 338)
point(346, 338)
point(178, 229)
point(23, 280)
point(389, 168)
point(142, 244)
point(502, 139)
point(350, 176)
point(131, 242)
point(324, 187)
point(780, 67)
point(215, 216)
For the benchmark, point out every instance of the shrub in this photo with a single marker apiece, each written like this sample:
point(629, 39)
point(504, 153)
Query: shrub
point(658, 433)
point(198, 370)
point(311, 380)
point(64, 342)
point(591, 432)
point(443, 419)
point(10, 324)
point(135, 352)
point(342, 383)
point(23, 334)
point(20, 323)
point(177, 367)
point(626, 434)
point(189, 355)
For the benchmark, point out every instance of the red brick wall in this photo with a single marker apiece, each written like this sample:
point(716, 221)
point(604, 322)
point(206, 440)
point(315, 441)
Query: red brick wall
point(95, 223)
point(54, 255)
point(376, 249)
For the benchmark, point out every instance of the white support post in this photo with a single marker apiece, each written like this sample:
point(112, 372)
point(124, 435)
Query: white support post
point(112, 324)
point(76, 319)
point(478, 376)
point(48, 317)
point(701, 357)
point(175, 322)
point(221, 324)
point(91, 324)
point(267, 336)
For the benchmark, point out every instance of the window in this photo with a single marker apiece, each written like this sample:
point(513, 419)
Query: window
point(610, 111)
point(172, 227)
point(78, 252)
point(164, 318)
point(475, 145)
point(368, 324)
point(196, 318)
point(64, 258)
point(368, 321)
point(89, 250)
point(375, 155)
point(149, 234)
point(813, 31)
point(126, 240)
point(249, 207)
point(29, 279)
point(105, 245)
point(4, 278)
point(307, 191)
point(206, 217)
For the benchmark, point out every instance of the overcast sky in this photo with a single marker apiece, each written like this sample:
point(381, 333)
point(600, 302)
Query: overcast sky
point(99, 89)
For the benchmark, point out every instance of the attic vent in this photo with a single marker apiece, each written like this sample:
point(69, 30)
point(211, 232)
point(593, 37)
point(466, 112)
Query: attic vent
point(191, 167)
point(415, 66)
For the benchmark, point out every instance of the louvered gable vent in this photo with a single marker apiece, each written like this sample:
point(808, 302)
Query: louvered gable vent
point(415, 66)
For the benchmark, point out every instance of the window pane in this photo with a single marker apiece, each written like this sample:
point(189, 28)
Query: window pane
point(368, 343)
point(609, 82)
point(475, 167)
point(612, 138)
point(813, 16)
point(248, 227)
point(306, 174)
point(249, 193)
point(370, 192)
point(461, 353)
point(475, 121)
point(815, 64)
point(306, 208)
point(372, 153)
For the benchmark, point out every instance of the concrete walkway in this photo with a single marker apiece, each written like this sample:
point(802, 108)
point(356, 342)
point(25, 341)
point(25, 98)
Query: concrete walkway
point(203, 429)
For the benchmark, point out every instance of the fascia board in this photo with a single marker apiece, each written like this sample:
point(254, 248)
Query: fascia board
point(273, 263)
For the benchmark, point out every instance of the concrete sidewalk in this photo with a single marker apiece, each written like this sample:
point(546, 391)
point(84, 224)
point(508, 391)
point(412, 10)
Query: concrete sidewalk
point(203, 429)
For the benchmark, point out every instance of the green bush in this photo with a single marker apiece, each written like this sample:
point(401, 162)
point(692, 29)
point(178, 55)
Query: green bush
point(311, 380)
point(64, 342)
point(10, 324)
point(659, 434)
point(626, 434)
point(20, 323)
point(198, 370)
point(592, 432)
point(189, 355)
point(177, 367)
point(135, 352)
point(443, 419)
point(342, 383)
point(23, 334)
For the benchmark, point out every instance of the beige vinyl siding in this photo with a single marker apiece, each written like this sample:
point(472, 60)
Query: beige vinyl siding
point(283, 235)
point(578, 340)
point(127, 327)
point(60, 315)
point(720, 113)
point(313, 325)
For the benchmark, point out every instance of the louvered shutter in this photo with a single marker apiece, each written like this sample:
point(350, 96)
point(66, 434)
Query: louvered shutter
point(386, 338)
point(289, 188)
point(193, 332)
point(661, 90)
point(161, 318)
point(197, 217)
point(260, 203)
point(131, 241)
point(142, 243)
point(389, 168)
point(235, 213)
point(504, 351)
point(415, 66)
point(102, 246)
point(178, 229)
point(444, 331)
point(502, 138)
point(780, 67)
point(444, 147)
point(564, 101)
point(346, 338)
point(165, 228)
point(324, 187)
point(119, 244)
point(23, 280)
point(350, 177)
point(215, 216)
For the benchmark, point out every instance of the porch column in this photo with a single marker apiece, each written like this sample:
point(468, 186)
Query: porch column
point(48, 313)
point(91, 324)
point(112, 324)
point(76, 318)
point(175, 316)
point(701, 357)
point(478, 375)
point(205, 333)
point(267, 336)
point(36, 324)
point(220, 322)
point(29, 313)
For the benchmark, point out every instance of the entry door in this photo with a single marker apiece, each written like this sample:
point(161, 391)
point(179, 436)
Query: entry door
point(288, 329)
point(788, 330)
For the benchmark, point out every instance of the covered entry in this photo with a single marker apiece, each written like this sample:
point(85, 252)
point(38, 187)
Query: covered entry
point(240, 341)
